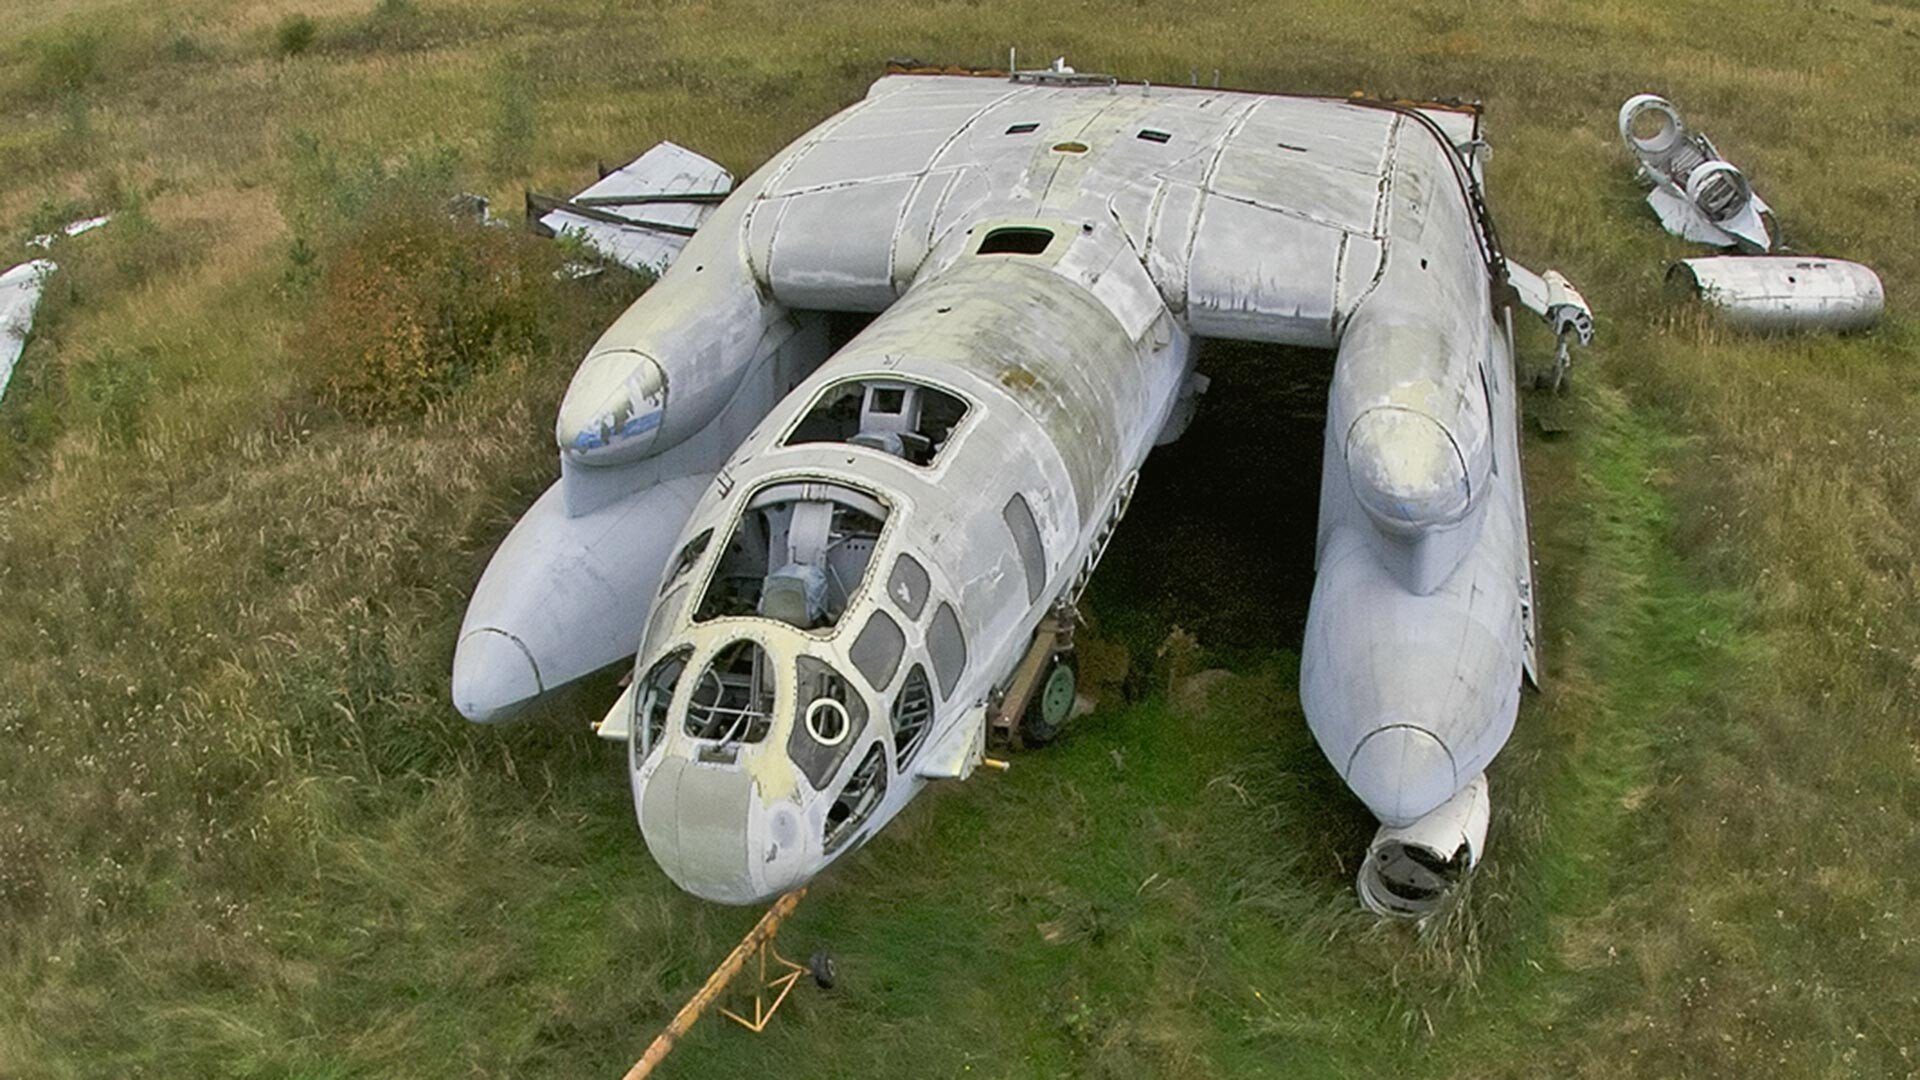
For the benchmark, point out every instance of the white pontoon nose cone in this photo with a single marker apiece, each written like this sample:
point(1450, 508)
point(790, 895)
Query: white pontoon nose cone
point(1401, 773)
point(493, 676)
point(1406, 470)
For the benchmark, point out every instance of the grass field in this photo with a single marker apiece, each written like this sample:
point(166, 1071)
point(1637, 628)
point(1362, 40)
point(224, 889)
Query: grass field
point(243, 833)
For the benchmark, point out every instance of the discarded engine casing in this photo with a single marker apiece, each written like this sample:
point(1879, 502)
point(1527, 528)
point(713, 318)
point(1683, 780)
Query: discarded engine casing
point(1698, 194)
point(1784, 292)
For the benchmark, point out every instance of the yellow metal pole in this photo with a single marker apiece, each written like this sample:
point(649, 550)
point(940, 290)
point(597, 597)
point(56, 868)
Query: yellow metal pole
point(682, 1022)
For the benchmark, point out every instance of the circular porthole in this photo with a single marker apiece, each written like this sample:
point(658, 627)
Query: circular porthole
point(827, 722)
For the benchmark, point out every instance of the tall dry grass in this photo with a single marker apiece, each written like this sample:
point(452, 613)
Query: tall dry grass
point(242, 832)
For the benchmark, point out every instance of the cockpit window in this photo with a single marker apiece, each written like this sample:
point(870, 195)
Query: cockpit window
point(652, 700)
point(829, 718)
point(798, 554)
point(876, 652)
point(906, 419)
point(684, 561)
point(733, 700)
point(912, 715)
point(908, 586)
point(857, 801)
point(948, 647)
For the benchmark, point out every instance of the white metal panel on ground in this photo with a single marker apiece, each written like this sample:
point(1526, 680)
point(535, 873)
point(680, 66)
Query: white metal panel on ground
point(20, 290)
point(1785, 292)
point(667, 169)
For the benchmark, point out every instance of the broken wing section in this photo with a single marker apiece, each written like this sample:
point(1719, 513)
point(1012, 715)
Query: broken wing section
point(20, 290)
point(641, 214)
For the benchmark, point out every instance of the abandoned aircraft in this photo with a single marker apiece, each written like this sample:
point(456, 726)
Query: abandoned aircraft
point(840, 564)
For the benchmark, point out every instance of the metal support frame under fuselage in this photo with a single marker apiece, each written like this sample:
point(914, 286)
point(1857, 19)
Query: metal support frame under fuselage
point(1054, 636)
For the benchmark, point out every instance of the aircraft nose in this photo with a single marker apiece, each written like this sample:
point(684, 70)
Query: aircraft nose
point(493, 675)
point(711, 833)
point(1401, 772)
point(1406, 470)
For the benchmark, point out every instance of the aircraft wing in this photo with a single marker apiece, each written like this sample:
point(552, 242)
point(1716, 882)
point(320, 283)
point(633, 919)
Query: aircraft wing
point(1262, 218)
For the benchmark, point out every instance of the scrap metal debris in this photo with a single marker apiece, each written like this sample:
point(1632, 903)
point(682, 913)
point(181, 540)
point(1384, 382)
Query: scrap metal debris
point(72, 228)
point(1702, 197)
point(641, 214)
point(1698, 194)
point(20, 290)
point(1784, 292)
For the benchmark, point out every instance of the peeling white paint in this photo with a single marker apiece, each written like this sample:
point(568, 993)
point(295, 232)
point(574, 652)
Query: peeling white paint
point(20, 291)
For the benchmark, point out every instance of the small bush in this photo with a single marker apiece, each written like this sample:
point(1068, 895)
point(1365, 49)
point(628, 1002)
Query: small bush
point(295, 35)
point(326, 196)
point(67, 63)
point(187, 49)
point(110, 386)
point(414, 303)
point(513, 120)
point(389, 26)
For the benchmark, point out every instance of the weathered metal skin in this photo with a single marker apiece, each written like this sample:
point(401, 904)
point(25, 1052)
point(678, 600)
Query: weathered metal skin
point(1782, 293)
point(1063, 405)
point(1411, 668)
point(1696, 193)
point(1043, 255)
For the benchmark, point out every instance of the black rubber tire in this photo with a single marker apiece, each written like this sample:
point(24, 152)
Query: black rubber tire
point(1052, 702)
point(824, 970)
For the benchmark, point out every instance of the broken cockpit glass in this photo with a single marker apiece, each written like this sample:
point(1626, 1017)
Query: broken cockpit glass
point(830, 717)
point(906, 419)
point(912, 714)
point(797, 554)
point(655, 697)
point(733, 700)
point(857, 801)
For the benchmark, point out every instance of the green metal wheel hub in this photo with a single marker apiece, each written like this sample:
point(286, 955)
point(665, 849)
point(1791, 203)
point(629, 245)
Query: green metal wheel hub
point(1056, 697)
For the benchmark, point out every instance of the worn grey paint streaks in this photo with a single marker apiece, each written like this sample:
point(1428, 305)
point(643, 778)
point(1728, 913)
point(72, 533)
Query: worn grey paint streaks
point(1312, 222)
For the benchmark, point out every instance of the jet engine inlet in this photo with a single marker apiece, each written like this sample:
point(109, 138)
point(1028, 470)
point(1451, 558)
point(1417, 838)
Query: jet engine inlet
point(1719, 189)
point(1406, 470)
point(1409, 871)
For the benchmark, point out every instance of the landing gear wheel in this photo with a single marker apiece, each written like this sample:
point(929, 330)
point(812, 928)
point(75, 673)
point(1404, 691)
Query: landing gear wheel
point(1052, 701)
point(823, 969)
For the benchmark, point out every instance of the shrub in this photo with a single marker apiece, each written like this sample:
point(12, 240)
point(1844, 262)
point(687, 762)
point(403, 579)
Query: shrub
point(326, 196)
point(295, 35)
point(414, 303)
point(513, 119)
point(65, 64)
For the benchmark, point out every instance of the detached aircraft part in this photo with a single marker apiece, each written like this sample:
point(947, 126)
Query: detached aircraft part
point(641, 214)
point(20, 291)
point(847, 555)
point(1698, 194)
point(1552, 297)
point(1408, 870)
point(1784, 292)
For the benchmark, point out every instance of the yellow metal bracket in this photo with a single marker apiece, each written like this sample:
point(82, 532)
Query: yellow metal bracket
point(779, 986)
point(758, 942)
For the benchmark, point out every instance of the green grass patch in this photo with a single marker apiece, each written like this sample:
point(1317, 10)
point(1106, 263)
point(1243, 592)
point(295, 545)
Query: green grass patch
point(242, 831)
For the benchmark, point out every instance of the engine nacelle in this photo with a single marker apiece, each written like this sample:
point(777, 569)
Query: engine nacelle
point(1720, 190)
point(689, 340)
point(1697, 193)
point(1409, 870)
